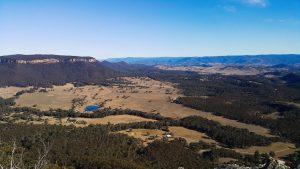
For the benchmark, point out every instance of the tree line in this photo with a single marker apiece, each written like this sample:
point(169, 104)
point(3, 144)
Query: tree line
point(93, 147)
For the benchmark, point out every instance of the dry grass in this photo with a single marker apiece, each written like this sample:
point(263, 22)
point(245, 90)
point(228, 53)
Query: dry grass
point(144, 134)
point(141, 94)
point(275, 115)
point(55, 98)
point(82, 122)
point(190, 135)
point(158, 101)
point(294, 104)
point(8, 92)
point(224, 121)
point(220, 69)
point(225, 160)
point(116, 119)
point(176, 132)
point(280, 148)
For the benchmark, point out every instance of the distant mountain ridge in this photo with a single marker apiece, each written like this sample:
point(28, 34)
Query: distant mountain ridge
point(267, 60)
point(47, 59)
point(47, 70)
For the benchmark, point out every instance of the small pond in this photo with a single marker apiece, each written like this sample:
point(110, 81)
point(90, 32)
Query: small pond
point(92, 108)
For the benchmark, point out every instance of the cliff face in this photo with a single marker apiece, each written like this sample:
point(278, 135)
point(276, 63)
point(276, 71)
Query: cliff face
point(46, 70)
point(44, 59)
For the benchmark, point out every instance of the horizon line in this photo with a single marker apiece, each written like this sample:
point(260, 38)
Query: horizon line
point(105, 58)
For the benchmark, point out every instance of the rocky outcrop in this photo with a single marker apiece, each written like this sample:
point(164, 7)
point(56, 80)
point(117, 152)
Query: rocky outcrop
point(37, 61)
point(89, 60)
point(274, 164)
point(235, 166)
point(271, 163)
point(44, 59)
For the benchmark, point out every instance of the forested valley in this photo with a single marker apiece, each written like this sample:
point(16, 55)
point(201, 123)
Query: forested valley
point(270, 100)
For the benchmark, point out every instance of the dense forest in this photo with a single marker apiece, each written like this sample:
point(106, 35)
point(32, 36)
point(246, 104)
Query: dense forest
point(54, 74)
point(55, 146)
point(230, 136)
point(91, 147)
point(248, 99)
point(286, 126)
point(5, 105)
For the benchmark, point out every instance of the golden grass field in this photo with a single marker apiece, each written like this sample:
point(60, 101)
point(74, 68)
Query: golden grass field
point(8, 92)
point(281, 149)
point(144, 134)
point(224, 160)
point(55, 98)
point(190, 135)
point(115, 119)
point(176, 132)
point(141, 94)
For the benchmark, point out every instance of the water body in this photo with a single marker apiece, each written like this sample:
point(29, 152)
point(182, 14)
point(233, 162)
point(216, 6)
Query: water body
point(92, 108)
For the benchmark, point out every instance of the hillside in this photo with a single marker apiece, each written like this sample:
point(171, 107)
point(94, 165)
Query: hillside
point(203, 119)
point(43, 70)
point(39, 58)
point(267, 60)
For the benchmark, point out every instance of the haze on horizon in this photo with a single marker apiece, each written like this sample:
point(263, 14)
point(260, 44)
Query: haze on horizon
point(149, 28)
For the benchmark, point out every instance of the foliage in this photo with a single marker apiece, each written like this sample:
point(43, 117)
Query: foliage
point(230, 136)
point(5, 105)
point(248, 99)
point(94, 147)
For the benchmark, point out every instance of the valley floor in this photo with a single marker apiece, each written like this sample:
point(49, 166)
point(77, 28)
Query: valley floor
point(143, 94)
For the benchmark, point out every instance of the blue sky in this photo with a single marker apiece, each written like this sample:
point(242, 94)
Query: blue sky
point(146, 28)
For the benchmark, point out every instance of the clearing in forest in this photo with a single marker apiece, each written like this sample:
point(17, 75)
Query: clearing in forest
point(11, 91)
point(115, 119)
point(190, 135)
point(280, 149)
point(149, 135)
point(143, 94)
